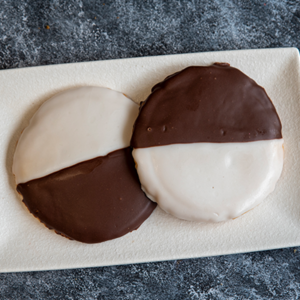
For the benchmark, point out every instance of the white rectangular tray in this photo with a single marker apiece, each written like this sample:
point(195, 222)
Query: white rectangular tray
point(25, 244)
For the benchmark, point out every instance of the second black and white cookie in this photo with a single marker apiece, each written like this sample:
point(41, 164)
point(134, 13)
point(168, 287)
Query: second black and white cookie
point(74, 168)
point(208, 144)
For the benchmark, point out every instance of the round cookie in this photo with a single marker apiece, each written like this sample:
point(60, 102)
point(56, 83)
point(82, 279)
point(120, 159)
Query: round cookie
point(74, 168)
point(208, 144)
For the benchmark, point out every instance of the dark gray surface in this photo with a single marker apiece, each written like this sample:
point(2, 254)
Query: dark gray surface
point(261, 275)
point(93, 30)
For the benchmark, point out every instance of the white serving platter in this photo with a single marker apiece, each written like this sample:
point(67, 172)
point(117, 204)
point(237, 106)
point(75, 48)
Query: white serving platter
point(26, 245)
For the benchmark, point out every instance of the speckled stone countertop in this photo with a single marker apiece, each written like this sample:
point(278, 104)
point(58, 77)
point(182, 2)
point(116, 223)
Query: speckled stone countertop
point(39, 32)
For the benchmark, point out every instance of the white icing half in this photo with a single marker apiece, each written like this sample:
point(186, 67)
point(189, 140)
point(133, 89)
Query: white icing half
point(209, 181)
point(71, 127)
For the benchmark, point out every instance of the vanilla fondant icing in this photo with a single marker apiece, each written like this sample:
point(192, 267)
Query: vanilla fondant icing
point(209, 181)
point(71, 127)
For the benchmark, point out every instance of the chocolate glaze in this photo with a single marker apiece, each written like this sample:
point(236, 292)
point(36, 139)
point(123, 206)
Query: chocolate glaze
point(216, 104)
point(91, 202)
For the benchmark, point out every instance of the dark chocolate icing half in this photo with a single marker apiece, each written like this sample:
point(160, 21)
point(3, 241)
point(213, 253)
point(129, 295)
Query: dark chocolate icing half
point(91, 202)
point(216, 104)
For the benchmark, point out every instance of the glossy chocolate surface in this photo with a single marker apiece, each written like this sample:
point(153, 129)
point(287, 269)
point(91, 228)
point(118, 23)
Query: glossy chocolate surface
point(216, 104)
point(91, 202)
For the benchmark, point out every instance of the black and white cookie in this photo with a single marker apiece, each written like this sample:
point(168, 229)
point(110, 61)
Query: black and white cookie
point(208, 144)
point(74, 168)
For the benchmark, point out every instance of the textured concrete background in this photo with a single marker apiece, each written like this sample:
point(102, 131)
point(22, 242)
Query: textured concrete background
point(50, 32)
